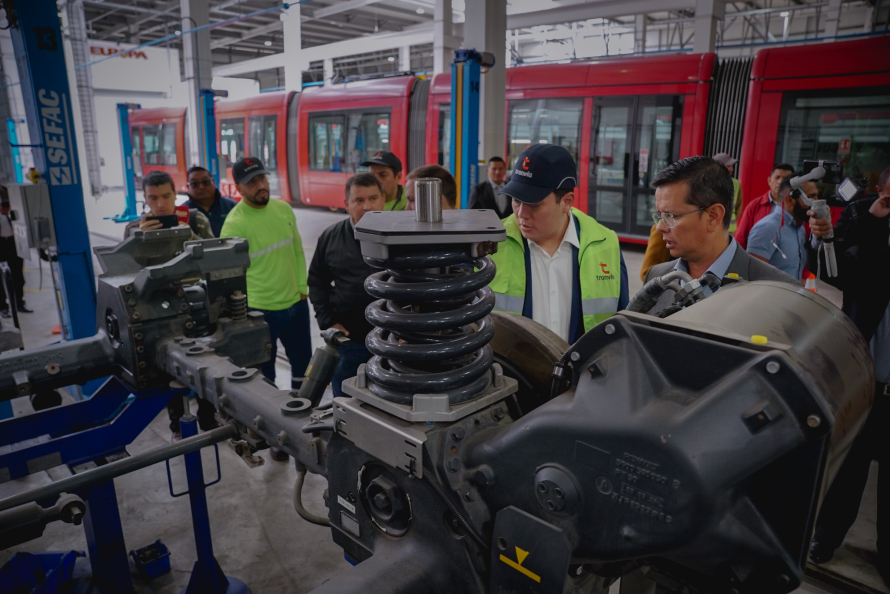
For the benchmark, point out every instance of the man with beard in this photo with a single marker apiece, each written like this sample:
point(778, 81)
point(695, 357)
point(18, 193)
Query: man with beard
point(277, 277)
point(779, 238)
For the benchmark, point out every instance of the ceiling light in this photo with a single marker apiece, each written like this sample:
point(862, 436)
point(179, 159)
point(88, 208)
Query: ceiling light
point(420, 11)
point(177, 32)
point(390, 59)
point(784, 13)
point(267, 43)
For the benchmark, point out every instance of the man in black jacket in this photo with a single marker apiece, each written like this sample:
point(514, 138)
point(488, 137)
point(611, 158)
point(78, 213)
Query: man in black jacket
point(337, 277)
point(485, 194)
point(862, 250)
point(205, 196)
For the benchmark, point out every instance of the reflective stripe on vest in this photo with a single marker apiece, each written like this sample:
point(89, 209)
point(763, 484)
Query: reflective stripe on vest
point(272, 248)
point(600, 305)
point(508, 303)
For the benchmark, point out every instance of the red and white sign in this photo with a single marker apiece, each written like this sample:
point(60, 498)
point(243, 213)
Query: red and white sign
point(843, 146)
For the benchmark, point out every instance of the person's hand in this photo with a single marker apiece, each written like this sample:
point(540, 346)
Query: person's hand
point(880, 208)
point(819, 227)
point(148, 224)
point(341, 329)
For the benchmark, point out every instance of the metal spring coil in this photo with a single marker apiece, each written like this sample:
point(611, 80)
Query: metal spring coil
point(238, 306)
point(423, 340)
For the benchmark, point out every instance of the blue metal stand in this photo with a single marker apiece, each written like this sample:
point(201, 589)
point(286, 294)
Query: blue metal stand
point(38, 42)
point(105, 540)
point(129, 172)
point(207, 576)
point(465, 73)
point(207, 125)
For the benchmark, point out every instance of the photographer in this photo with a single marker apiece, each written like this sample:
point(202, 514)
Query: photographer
point(862, 248)
point(160, 200)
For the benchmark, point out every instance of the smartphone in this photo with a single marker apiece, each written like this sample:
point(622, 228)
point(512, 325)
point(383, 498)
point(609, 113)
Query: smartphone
point(167, 221)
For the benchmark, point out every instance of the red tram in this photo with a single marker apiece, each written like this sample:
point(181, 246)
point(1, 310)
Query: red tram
point(622, 118)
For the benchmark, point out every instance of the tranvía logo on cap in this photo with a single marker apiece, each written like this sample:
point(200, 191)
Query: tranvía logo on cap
point(524, 172)
point(379, 154)
point(249, 163)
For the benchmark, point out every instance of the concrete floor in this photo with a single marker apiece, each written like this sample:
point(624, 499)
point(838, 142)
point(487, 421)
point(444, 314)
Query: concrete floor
point(258, 537)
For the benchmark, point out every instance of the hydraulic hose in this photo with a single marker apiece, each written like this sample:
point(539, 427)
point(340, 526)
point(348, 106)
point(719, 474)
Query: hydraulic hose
point(647, 297)
point(298, 500)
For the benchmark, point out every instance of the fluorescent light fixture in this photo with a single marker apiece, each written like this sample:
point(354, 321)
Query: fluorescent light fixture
point(267, 43)
point(784, 14)
point(390, 59)
point(177, 32)
point(420, 11)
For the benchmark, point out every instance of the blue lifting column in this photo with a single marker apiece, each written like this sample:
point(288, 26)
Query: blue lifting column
point(465, 72)
point(129, 171)
point(38, 42)
point(207, 126)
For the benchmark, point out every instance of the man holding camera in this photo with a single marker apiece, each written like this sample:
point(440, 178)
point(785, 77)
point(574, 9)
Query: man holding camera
point(862, 250)
point(160, 200)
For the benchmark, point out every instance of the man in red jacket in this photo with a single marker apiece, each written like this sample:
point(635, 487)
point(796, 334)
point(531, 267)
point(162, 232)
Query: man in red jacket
point(762, 205)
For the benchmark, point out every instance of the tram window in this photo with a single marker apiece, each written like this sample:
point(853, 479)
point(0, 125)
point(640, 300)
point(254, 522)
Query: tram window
point(136, 144)
point(445, 135)
point(542, 121)
point(368, 134)
point(151, 145)
point(658, 144)
point(326, 142)
point(263, 143)
point(231, 141)
point(168, 144)
point(854, 130)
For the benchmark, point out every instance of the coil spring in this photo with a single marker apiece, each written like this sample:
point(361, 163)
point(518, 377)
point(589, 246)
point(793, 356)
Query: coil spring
point(423, 340)
point(238, 306)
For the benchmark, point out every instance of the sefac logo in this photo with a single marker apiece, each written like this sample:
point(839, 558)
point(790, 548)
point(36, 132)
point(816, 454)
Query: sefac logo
point(111, 51)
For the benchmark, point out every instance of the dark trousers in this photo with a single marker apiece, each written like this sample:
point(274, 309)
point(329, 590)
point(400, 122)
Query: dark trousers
point(841, 504)
point(352, 354)
point(291, 326)
point(176, 410)
point(17, 267)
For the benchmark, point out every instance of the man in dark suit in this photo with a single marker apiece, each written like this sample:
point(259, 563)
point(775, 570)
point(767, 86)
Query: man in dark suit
point(485, 194)
point(9, 255)
point(693, 198)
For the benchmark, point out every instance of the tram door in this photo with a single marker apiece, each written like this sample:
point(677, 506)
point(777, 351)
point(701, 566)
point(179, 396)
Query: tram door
point(632, 139)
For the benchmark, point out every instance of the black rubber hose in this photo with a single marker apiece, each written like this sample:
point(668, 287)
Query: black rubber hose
point(317, 427)
point(427, 476)
point(647, 297)
point(298, 500)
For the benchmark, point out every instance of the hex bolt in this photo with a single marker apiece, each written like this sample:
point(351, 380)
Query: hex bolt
point(131, 303)
point(458, 433)
point(189, 325)
point(128, 288)
point(138, 336)
point(469, 495)
point(140, 349)
point(542, 488)
point(814, 421)
point(498, 414)
point(142, 364)
point(184, 306)
point(136, 315)
point(558, 493)
point(454, 464)
point(381, 502)
point(773, 367)
point(610, 329)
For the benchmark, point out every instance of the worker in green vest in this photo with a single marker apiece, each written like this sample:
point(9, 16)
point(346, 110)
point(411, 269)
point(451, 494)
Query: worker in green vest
point(558, 266)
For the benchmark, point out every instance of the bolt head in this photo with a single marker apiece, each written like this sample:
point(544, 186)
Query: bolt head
point(381, 502)
point(138, 336)
point(136, 315)
point(498, 414)
point(131, 302)
point(454, 464)
point(773, 367)
point(575, 356)
point(128, 288)
point(458, 433)
point(610, 329)
point(814, 421)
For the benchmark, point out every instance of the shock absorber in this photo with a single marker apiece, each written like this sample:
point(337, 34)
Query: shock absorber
point(431, 318)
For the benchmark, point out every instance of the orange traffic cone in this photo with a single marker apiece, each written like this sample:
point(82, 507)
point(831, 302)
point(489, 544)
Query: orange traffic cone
point(810, 282)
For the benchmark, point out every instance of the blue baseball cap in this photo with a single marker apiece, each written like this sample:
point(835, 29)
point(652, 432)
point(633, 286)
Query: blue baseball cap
point(540, 169)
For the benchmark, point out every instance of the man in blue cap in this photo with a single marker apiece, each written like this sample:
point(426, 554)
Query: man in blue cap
point(558, 266)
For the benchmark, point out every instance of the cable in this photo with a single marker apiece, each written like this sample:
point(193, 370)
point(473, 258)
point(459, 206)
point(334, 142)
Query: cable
point(427, 476)
point(298, 500)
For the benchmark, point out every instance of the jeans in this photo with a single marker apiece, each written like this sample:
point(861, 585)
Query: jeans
point(291, 326)
point(352, 354)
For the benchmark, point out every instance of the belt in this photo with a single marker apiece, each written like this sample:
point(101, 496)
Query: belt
point(882, 389)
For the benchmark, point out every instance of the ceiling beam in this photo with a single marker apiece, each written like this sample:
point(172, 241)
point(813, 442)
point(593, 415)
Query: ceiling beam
point(338, 7)
point(582, 11)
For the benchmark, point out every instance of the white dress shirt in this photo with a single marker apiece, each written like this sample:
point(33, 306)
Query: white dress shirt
point(552, 283)
point(500, 199)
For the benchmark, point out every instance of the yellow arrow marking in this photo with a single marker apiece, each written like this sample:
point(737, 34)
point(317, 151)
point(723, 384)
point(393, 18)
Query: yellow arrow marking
point(521, 555)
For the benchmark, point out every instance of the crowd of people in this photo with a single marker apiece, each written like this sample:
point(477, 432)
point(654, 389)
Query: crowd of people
point(558, 265)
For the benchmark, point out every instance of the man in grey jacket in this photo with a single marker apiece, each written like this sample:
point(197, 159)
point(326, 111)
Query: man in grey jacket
point(693, 198)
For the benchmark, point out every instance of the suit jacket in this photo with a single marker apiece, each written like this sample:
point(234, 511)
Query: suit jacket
point(482, 196)
point(745, 265)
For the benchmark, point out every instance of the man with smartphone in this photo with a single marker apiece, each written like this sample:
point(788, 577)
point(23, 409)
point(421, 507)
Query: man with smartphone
point(160, 200)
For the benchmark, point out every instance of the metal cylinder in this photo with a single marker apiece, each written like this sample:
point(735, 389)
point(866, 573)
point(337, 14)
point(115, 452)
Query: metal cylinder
point(428, 200)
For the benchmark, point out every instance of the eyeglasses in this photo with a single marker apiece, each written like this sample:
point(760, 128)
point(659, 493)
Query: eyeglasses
point(200, 183)
point(670, 220)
